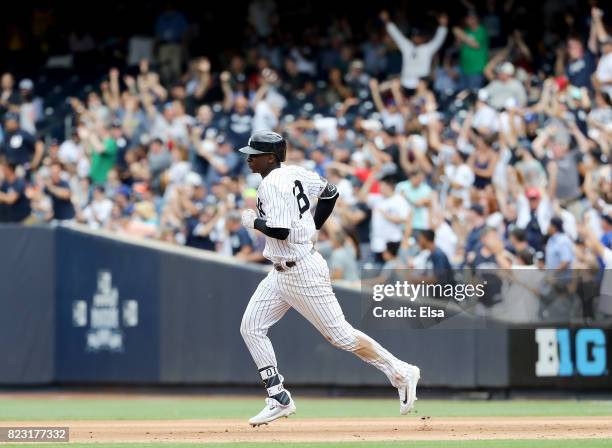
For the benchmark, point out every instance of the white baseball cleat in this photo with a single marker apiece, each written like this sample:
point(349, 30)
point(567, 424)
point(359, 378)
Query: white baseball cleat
point(407, 391)
point(272, 411)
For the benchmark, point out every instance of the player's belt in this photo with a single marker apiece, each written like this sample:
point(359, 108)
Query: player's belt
point(279, 267)
point(282, 267)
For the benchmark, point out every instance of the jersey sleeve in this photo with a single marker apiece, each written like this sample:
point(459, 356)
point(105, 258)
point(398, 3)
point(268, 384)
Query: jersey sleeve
point(315, 184)
point(277, 206)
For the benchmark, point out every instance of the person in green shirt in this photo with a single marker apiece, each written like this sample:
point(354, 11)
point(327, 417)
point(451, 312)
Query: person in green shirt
point(103, 155)
point(473, 51)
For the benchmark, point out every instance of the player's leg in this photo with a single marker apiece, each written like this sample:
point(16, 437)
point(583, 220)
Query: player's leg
point(265, 308)
point(316, 301)
point(324, 312)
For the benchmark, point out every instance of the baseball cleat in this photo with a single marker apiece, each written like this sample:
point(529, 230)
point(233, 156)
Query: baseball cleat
point(407, 391)
point(273, 410)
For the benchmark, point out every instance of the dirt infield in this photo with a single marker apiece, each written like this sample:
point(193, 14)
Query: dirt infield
point(335, 430)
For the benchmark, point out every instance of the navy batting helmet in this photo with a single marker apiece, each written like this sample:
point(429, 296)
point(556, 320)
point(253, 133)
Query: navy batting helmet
point(266, 142)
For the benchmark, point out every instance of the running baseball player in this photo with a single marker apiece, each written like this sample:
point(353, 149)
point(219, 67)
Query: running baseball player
point(300, 278)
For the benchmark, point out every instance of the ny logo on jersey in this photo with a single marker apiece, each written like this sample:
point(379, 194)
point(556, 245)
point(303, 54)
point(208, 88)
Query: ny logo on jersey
point(260, 208)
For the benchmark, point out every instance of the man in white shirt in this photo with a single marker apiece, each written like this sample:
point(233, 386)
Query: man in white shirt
point(416, 53)
point(390, 211)
point(603, 74)
point(71, 150)
point(506, 86)
point(534, 203)
point(486, 118)
point(98, 212)
point(459, 177)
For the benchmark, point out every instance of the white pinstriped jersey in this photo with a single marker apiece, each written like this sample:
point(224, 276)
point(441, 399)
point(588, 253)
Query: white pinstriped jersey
point(284, 199)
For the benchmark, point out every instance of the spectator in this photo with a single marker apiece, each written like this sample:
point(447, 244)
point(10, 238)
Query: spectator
point(392, 265)
point(579, 64)
point(389, 211)
point(563, 172)
point(357, 79)
point(202, 232)
point(158, 160)
point(473, 51)
point(391, 269)
point(103, 149)
point(483, 160)
point(416, 53)
point(169, 126)
point(446, 77)
point(170, 36)
point(14, 203)
point(343, 261)
point(418, 195)
point(374, 54)
point(486, 256)
point(485, 118)
point(476, 221)
point(459, 177)
point(559, 248)
point(529, 170)
point(20, 147)
point(559, 257)
point(222, 160)
point(239, 115)
point(71, 150)
point(534, 215)
point(30, 109)
point(520, 291)
point(603, 74)
point(506, 89)
point(438, 269)
point(392, 117)
point(518, 241)
point(9, 98)
point(237, 240)
point(59, 191)
point(98, 212)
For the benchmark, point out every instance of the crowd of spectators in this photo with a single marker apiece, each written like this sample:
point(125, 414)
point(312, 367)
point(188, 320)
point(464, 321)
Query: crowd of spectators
point(479, 152)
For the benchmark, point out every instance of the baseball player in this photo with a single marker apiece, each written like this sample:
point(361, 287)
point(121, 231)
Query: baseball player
point(300, 278)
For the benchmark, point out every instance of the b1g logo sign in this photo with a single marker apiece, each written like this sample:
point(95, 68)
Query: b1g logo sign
point(556, 347)
point(106, 323)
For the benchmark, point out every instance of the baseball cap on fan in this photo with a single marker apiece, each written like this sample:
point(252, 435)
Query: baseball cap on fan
point(11, 116)
point(507, 68)
point(26, 84)
point(266, 142)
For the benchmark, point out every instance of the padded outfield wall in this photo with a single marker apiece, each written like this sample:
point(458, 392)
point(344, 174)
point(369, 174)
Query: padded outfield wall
point(82, 307)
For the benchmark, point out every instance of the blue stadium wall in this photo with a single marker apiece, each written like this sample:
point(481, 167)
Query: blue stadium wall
point(78, 307)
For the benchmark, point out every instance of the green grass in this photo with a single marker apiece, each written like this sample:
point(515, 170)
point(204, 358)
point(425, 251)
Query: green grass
point(133, 408)
point(577, 443)
point(57, 408)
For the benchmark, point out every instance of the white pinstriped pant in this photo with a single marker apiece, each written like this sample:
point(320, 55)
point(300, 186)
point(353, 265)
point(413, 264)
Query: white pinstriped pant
point(307, 288)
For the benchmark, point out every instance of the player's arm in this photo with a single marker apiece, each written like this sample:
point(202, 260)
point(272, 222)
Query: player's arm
point(279, 233)
point(251, 221)
point(325, 206)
